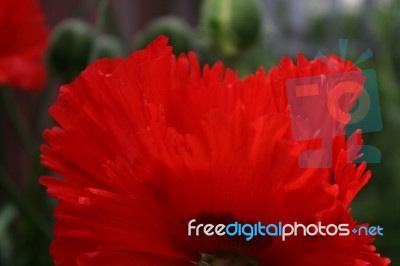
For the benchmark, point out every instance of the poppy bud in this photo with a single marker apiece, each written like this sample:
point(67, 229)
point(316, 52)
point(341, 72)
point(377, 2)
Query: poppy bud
point(231, 25)
point(178, 32)
point(71, 43)
point(106, 46)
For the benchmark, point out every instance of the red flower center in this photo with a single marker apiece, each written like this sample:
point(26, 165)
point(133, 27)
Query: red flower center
point(226, 250)
point(226, 259)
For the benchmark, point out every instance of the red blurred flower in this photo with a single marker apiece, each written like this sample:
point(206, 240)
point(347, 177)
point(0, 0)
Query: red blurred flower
point(22, 44)
point(148, 143)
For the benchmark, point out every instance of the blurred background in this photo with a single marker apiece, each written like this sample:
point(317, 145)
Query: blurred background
point(255, 33)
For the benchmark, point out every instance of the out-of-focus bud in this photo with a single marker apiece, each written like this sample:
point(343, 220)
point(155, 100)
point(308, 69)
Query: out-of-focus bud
point(71, 43)
point(178, 32)
point(231, 25)
point(106, 46)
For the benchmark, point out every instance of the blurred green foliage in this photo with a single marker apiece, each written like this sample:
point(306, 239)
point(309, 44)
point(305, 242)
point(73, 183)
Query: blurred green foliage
point(231, 25)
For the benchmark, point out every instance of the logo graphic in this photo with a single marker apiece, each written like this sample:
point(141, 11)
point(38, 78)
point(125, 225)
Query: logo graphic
point(330, 106)
point(280, 229)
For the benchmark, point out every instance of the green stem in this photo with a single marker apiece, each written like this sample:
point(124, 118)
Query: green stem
point(17, 121)
point(42, 119)
point(24, 208)
point(102, 15)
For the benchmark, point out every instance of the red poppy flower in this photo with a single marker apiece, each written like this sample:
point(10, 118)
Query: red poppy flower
point(146, 144)
point(22, 46)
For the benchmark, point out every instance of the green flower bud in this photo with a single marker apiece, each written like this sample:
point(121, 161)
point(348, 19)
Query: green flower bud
point(178, 32)
point(231, 25)
point(70, 46)
point(106, 46)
